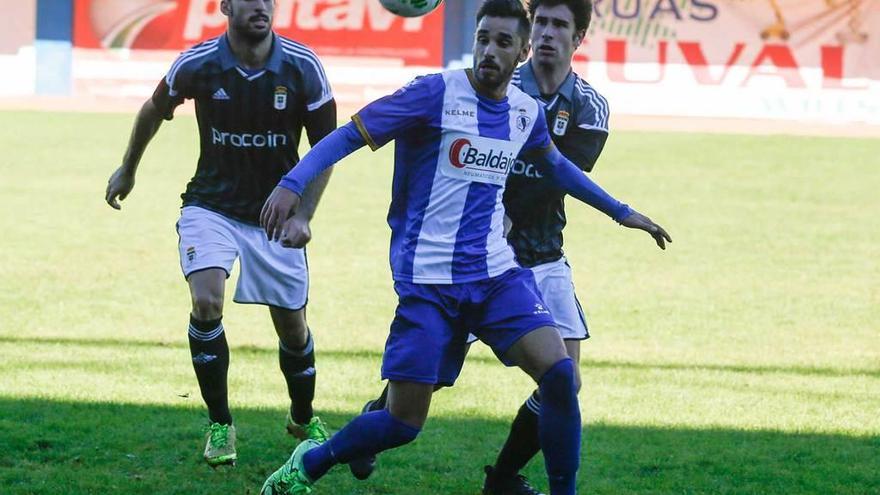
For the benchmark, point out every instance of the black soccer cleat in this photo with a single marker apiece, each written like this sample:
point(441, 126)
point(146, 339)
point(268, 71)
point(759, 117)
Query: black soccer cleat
point(507, 485)
point(363, 467)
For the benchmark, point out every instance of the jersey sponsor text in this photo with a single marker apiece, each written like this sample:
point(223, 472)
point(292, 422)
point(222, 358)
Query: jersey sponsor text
point(479, 159)
point(247, 140)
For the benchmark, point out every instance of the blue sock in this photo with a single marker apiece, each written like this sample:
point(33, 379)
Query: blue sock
point(559, 426)
point(365, 435)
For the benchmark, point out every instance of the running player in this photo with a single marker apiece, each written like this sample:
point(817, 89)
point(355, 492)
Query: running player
point(254, 92)
point(457, 135)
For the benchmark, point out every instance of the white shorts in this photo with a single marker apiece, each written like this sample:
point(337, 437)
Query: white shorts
point(557, 291)
point(270, 274)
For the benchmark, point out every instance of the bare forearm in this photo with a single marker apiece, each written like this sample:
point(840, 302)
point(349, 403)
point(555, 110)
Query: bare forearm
point(312, 195)
point(146, 125)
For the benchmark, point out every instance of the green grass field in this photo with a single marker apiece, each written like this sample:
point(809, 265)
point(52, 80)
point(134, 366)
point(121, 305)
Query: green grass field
point(744, 359)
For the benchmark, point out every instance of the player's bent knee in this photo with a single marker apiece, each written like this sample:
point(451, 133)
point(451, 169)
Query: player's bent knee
point(409, 402)
point(290, 323)
point(559, 383)
point(411, 414)
point(400, 433)
point(207, 307)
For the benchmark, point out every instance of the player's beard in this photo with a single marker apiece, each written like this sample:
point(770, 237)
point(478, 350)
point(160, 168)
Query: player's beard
point(251, 35)
point(501, 81)
point(244, 31)
point(493, 83)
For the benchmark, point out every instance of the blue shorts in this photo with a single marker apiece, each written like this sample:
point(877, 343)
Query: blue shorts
point(429, 333)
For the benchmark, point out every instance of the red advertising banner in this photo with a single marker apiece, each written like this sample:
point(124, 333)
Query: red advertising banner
point(330, 27)
point(771, 38)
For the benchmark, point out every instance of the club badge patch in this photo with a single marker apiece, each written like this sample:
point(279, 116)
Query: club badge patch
point(561, 123)
point(280, 98)
point(523, 120)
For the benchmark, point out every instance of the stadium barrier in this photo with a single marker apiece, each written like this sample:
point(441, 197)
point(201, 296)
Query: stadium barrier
point(797, 60)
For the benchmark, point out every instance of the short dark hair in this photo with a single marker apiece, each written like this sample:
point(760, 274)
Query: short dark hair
point(507, 9)
point(582, 10)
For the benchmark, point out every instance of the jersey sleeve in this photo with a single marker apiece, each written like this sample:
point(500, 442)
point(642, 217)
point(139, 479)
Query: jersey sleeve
point(540, 136)
point(384, 119)
point(164, 101)
point(584, 141)
point(316, 86)
point(174, 88)
point(594, 112)
point(582, 146)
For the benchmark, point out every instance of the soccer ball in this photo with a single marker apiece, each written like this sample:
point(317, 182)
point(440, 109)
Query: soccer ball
point(411, 8)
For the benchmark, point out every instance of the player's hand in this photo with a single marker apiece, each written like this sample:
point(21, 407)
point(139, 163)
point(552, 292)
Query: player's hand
point(282, 203)
point(641, 222)
point(120, 184)
point(508, 225)
point(295, 233)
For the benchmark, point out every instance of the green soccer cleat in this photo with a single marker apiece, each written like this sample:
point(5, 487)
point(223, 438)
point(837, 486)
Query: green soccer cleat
point(291, 478)
point(220, 445)
point(315, 429)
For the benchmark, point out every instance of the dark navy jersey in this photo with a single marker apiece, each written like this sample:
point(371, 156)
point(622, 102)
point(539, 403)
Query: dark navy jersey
point(577, 117)
point(250, 121)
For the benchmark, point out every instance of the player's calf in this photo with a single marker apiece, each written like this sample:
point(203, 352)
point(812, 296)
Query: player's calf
point(298, 367)
point(559, 426)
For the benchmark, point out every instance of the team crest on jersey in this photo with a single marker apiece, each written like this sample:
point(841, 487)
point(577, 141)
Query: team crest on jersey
point(561, 123)
point(523, 120)
point(280, 98)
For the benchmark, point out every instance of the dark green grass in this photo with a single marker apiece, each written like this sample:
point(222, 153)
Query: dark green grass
point(70, 445)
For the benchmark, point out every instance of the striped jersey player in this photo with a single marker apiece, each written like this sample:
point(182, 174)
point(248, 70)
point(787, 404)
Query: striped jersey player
point(457, 135)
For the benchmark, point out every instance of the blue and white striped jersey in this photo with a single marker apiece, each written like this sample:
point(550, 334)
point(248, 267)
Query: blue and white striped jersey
point(454, 150)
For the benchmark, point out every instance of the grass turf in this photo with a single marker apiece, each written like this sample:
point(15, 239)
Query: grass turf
point(745, 359)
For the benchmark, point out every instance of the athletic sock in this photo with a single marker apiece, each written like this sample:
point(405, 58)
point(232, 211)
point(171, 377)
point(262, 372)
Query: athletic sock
point(298, 367)
point(210, 358)
point(381, 402)
point(559, 426)
point(522, 442)
point(366, 435)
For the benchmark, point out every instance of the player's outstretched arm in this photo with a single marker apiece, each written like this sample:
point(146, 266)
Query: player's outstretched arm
point(571, 179)
point(145, 126)
point(297, 231)
point(285, 198)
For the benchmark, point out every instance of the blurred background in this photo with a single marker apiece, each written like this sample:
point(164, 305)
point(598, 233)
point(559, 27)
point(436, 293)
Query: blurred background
point(747, 64)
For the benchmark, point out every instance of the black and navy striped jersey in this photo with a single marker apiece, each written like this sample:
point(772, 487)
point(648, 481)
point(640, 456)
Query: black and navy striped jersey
point(250, 121)
point(577, 117)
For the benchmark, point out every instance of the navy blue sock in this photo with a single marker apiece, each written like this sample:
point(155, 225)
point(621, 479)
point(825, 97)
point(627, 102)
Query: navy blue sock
point(522, 442)
point(210, 358)
point(560, 427)
point(365, 435)
point(298, 367)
